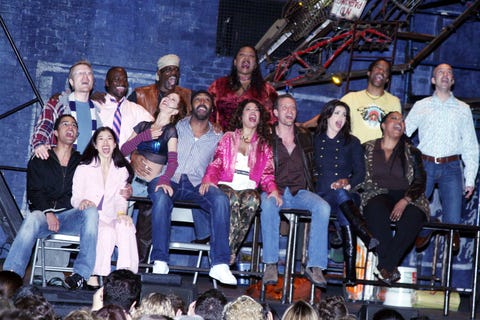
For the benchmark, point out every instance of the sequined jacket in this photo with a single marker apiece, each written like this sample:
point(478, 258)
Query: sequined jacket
point(260, 161)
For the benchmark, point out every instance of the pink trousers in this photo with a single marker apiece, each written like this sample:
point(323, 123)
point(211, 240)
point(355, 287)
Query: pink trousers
point(123, 237)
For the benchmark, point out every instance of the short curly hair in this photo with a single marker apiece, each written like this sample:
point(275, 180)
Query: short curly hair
point(244, 307)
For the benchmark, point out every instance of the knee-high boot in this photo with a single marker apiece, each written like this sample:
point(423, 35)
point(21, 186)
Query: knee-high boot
point(349, 255)
point(358, 224)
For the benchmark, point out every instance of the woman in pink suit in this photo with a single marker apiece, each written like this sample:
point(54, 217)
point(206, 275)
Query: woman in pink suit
point(98, 180)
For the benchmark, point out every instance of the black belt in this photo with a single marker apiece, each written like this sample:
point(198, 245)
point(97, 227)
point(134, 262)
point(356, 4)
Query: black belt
point(441, 160)
point(141, 181)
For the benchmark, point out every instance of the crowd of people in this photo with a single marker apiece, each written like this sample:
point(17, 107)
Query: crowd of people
point(121, 298)
point(231, 150)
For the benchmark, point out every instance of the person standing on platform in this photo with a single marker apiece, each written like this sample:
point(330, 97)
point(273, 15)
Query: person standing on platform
point(449, 147)
point(369, 106)
point(245, 81)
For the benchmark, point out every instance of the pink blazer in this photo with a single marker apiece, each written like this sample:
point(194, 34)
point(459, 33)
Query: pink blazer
point(260, 161)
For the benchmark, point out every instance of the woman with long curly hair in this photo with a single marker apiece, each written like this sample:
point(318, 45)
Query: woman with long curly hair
point(242, 162)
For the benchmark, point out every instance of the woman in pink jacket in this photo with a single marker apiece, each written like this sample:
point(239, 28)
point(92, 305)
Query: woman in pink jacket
point(97, 182)
point(243, 162)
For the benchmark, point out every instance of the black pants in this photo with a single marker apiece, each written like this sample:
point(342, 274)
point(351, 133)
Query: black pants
point(393, 245)
point(144, 231)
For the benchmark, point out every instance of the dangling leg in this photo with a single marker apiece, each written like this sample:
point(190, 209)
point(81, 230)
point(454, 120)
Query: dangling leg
point(358, 224)
point(349, 255)
point(249, 200)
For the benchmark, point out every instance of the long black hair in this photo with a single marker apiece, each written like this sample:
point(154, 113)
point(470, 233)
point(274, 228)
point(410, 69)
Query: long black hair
point(399, 150)
point(257, 82)
point(327, 112)
point(91, 153)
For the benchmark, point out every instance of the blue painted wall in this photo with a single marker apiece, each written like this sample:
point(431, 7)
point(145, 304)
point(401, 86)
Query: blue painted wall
point(53, 34)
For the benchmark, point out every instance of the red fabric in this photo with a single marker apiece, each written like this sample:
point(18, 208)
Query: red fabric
point(226, 100)
point(130, 146)
point(172, 165)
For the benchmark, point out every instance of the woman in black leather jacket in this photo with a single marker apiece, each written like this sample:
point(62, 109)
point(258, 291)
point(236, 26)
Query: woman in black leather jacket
point(393, 192)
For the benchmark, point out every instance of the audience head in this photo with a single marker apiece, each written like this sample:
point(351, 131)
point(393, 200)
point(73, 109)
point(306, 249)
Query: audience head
point(14, 314)
point(155, 303)
point(81, 314)
point(154, 317)
point(244, 307)
point(168, 72)
point(332, 111)
point(209, 305)
point(26, 291)
point(334, 308)
point(80, 76)
point(178, 304)
point(387, 314)
point(10, 282)
point(202, 105)
point(111, 312)
point(122, 287)
point(116, 82)
point(5, 303)
point(37, 307)
point(269, 313)
point(300, 310)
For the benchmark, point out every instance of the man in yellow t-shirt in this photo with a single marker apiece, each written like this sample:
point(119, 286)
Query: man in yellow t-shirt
point(369, 106)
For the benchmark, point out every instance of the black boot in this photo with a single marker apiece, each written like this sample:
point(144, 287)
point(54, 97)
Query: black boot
point(144, 231)
point(358, 224)
point(349, 255)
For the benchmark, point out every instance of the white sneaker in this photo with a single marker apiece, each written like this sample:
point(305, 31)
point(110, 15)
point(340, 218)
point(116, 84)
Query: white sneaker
point(160, 267)
point(222, 273)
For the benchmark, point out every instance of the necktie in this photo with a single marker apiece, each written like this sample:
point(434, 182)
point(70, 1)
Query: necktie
point(117, 119)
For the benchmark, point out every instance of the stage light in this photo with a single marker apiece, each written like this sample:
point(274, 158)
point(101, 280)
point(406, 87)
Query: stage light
point(337, 79)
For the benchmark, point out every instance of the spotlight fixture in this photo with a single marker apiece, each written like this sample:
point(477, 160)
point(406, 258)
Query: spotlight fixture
point(337, 79)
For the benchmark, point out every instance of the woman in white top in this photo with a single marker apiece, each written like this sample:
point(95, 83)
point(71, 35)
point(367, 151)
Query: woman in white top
point(243, 162)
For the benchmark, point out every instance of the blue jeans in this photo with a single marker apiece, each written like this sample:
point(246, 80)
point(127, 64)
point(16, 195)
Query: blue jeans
point(72, 222)
point(318, 240)
point(449, 178)
point(214, 205)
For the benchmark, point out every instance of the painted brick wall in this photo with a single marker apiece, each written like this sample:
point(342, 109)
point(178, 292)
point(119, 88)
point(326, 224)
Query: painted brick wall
point(53, 34)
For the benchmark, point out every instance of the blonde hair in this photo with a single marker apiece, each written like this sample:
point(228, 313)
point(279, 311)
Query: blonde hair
point(300, 310)
point(244, 307)
point(154, 303)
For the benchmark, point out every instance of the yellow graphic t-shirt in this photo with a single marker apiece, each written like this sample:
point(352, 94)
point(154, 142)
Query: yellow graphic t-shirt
point(366, 112)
